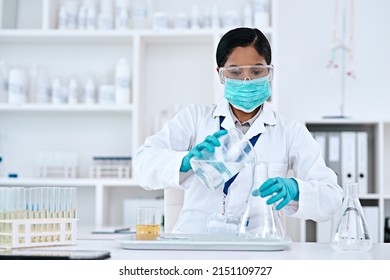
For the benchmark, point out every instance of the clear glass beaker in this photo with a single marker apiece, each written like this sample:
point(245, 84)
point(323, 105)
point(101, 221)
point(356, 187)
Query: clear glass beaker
point(351, 233)
point(215, 168)
point(261, 220)
point(223, 223)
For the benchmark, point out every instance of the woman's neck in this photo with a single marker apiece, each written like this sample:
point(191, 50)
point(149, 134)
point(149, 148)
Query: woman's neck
point(242, 116)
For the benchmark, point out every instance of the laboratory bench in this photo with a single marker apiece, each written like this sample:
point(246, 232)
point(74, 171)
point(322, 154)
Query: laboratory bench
point(296, 251)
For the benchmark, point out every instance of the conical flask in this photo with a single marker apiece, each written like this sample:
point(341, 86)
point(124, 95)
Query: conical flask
point(351, 233)
point(261, 220)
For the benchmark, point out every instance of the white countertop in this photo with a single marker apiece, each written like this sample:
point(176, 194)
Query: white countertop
point(296, 251)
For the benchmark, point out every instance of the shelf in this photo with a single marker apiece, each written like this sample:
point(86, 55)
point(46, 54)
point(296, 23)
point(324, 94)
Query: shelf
point(65, 108)
point(370, 196)
point(112, 36)
point(341, 121)
point(66, 36)
point(178, 36)
point(77, 182)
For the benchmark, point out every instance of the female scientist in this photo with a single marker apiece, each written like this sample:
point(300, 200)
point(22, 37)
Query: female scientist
point(244, 66)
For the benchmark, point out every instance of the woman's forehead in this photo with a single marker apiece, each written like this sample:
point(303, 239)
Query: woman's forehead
point(245, 56)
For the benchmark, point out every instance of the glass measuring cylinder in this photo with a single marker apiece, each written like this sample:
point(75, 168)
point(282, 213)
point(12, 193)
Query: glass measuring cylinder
point(351, 232)
point(214, 169)
point(261, 220)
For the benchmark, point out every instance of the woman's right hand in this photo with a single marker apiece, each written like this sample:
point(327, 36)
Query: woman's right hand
point(208, 144)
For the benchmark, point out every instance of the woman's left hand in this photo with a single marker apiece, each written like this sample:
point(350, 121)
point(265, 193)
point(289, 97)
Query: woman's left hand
point(284, 189)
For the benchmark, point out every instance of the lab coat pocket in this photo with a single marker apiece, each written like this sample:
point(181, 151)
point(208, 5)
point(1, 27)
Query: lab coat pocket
point(277, 169)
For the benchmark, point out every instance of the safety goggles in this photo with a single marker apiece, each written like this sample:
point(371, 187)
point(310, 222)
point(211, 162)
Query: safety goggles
point(246, 72)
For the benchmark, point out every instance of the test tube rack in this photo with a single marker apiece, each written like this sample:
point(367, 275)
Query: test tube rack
point(21, 233)
point(57, 171)
point(57, 164)
point(110, 167)
point(110, 171)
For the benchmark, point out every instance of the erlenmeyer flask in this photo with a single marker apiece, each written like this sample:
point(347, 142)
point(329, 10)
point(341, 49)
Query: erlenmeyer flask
point(261, 220)
point(351, 233)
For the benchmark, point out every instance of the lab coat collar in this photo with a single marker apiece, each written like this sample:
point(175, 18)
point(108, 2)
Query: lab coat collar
point(267, 117)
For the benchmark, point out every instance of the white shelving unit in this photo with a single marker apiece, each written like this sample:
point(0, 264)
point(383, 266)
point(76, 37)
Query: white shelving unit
point(170, 69)
point(378, 186)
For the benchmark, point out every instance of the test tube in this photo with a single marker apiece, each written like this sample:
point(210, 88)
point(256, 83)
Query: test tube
point(57, 212)
point(2, 215)
point(20, 206)
point(13, 202)
point(73, 203)
point(30, 209)
point(51, 212)
point(19, 210)
point(43, 213)
point(9, 213)
point(35, 207)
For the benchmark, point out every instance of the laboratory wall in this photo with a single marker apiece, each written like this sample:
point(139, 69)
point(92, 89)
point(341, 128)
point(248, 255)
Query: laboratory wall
point(310, 90)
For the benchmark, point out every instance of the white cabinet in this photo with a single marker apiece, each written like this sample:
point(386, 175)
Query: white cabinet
point(169, 70)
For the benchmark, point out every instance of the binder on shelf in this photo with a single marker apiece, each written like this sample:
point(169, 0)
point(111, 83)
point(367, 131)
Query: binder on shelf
point(348, 157)
point(334, 154)
point(362, 161)
point(320, 137)
point(371, 214)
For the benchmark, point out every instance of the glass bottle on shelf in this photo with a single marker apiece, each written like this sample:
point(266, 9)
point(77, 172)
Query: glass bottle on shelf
point(351, 232)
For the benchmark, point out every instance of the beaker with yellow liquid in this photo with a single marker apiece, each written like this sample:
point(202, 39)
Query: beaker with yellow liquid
point(148, 223)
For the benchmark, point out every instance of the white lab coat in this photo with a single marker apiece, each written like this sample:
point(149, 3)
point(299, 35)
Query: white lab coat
point(284, 143)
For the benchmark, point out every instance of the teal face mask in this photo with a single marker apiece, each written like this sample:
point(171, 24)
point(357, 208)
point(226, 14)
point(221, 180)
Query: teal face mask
point(247, 95)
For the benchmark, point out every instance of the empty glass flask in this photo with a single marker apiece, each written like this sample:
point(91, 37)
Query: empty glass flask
point(261, 220)
point(351, 233)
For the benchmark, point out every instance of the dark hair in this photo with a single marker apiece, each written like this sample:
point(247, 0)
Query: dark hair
point(243, 37)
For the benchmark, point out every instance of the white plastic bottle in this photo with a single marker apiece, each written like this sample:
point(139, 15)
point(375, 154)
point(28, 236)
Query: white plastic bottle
point(91, 14)
point(32, 83)
point(90, 92)
point(231, 19)
point(71, 10)
point(160, 21)
point(261, 13)
point(42, 94)
point(17, 86)
point(56, 89)
point(215, 21)
point(106, 18)
point(248, 15)
point(140, 14)
point(82, 18)
point(122, 82)
point(195, 19)
point(73, 91)
point(181, 21)
point(122, 13)
point(207, 17)
point(62, 18)
point(91, 19)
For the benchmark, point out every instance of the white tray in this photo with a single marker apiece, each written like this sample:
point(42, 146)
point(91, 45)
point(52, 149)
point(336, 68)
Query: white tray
point(205, 243)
